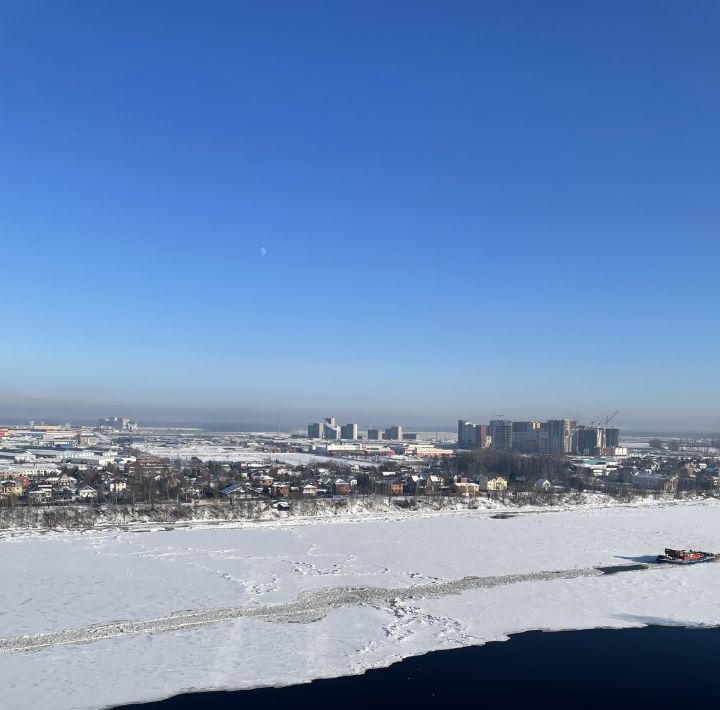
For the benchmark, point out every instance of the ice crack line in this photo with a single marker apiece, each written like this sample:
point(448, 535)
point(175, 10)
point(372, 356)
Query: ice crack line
point(310, 605)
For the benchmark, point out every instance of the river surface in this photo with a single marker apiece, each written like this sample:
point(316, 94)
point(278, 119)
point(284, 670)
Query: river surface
point(654, 667)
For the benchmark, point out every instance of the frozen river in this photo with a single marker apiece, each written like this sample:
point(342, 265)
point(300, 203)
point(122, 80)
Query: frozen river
point(92, 619)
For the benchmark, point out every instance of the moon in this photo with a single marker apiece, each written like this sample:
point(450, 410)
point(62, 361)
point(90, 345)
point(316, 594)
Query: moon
point(263, 251)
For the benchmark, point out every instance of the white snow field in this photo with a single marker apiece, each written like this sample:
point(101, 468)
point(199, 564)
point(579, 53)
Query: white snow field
point(231, 454)
point(99, 618)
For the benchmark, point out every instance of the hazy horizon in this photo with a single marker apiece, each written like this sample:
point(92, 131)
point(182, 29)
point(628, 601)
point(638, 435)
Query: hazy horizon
point(291, 419)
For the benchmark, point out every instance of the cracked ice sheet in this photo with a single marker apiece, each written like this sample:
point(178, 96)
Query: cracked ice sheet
point(60, 581)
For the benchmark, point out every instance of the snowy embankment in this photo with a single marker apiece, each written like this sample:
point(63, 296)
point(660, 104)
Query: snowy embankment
point(85, 516)
point(118, 616)
point(37, 518)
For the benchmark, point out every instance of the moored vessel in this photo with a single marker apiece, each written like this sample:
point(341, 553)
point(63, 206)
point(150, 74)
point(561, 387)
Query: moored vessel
point(685, 557)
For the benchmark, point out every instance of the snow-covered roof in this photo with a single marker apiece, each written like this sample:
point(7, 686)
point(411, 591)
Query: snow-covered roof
point(230, 489)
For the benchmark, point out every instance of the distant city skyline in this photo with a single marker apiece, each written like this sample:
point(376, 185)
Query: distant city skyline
point(298, 419)
point(397, 212)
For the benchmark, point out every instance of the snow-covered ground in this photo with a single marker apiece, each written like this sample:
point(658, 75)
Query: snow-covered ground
point(121, 617)
point(232, 454)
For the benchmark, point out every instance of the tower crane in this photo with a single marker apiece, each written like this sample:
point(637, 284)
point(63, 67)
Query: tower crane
point(611, 417)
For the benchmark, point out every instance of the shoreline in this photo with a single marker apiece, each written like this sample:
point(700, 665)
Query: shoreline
point(377, 511)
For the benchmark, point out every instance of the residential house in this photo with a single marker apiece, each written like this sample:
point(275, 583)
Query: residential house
point(465, 488)
point(65, 481)
point(433, 485)
point(237, 491)
point(653, 481)
point(488, 483)
point(396, 487)
point(40, 495)
point(415, 484)
point(24, 481)
point(87, 494)
point(280, 489)
point(340, 487)
point(11, 488)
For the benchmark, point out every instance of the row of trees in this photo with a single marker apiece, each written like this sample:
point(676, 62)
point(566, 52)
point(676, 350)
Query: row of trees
point(682, 444)
point(673, 444)
point(510, 465)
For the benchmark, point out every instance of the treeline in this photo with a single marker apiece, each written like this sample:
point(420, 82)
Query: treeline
point(672, 444)
point(83, 516)
point(514, 466)
point(680, 444)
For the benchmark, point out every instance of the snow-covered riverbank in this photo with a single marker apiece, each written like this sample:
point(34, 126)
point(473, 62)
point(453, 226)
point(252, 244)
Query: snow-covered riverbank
point(44, 518)
point(280, 603)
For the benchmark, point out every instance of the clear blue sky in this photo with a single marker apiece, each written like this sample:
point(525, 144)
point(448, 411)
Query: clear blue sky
point(411, 211)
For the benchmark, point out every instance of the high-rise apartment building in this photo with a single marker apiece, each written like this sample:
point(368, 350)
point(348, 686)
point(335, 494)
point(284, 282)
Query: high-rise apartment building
point(612, 438)
point(472, 436)
point(542, 438)
point(394, 433)
point(501, 434)
point(525, 435)
point(349, 431)
point(589, 440)
point(331, 431)
point(560, 436)
point(482, 436)
point(374, 434)
point(118, 423)
point(324, 430)
point(466, 434)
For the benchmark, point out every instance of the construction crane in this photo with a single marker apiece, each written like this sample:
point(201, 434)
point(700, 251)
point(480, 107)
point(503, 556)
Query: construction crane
point(611, 417)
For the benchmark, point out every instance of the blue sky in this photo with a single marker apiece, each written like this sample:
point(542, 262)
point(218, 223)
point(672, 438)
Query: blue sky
point(466, 208)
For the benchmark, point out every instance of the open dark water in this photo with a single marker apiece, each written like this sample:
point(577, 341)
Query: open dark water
point(652, 667)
